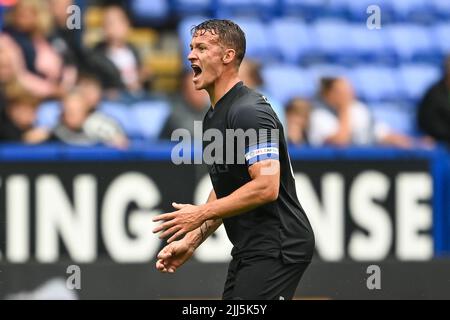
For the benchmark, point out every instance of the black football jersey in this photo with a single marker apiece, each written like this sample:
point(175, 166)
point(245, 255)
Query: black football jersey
point(279, 228)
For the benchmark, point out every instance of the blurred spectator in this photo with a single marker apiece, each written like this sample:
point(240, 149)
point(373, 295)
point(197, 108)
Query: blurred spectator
point(80, 124)
point(123, 55)
point(13, 71)
point(297, 121)
point(18, 116)
point(29, 25)
point(66, 41)
point(339, 119)
point(91, 90)
point(187, 107)
point(434, 109)
point(250, 73)
point(89, 87)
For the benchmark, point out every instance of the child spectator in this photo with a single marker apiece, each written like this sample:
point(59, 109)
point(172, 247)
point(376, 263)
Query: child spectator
point(297, 121)
point(91, 90)
point(80, 124)
point(18, 116)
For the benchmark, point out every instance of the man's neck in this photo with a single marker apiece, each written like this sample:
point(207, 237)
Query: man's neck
point(221, 87)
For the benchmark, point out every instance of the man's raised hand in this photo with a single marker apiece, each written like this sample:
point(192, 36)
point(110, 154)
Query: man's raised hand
point(177, 223)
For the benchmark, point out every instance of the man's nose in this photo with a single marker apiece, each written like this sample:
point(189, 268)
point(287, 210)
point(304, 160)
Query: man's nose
point(191, 56)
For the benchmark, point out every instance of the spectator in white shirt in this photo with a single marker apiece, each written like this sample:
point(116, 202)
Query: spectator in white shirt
point(338, 118)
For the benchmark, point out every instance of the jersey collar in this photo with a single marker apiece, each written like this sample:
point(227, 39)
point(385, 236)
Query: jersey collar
point(227, 97)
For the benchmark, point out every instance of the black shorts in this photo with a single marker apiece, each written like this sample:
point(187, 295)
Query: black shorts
point(262, 278)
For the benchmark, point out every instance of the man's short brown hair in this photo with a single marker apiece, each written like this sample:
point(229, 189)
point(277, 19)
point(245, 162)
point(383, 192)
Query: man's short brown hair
point(230, 34)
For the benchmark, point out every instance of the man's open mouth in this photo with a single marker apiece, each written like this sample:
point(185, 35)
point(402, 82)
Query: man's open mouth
point(197, 70)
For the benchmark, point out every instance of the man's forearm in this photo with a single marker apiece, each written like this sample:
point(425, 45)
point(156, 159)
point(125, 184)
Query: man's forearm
point(253, 194)
point(199, 235)
point(242, 200)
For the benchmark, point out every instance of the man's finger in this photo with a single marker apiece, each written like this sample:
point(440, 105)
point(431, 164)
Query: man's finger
point(179, 205)
point(176, 236)
point(169, 231)
point(164, 255)
point(164, 216)
point(164, 226)
point(160, 266)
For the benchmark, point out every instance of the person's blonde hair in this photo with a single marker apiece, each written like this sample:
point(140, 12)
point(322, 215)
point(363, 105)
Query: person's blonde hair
point(42, 9)
point(16, 93)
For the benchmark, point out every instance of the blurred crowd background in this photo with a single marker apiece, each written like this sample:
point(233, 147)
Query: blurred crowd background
point(332, 76)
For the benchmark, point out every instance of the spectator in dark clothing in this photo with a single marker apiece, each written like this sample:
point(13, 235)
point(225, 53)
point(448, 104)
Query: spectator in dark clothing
point(29, 25)
point(434, 109)
point(2, 99)
point(187, 107)
point(122, 55)
point(13, 71)
point(66, 41)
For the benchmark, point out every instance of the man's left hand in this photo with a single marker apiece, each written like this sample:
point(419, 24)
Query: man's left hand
point(187, 218)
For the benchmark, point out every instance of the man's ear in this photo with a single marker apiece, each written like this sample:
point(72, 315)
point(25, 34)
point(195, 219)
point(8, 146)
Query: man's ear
point(229, 56)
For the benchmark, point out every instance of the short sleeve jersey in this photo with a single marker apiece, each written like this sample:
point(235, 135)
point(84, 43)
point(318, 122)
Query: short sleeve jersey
point(251, 132)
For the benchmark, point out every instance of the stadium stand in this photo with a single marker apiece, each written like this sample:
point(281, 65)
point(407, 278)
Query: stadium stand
point(288, 49)
point(297, 42)
point(285, 81)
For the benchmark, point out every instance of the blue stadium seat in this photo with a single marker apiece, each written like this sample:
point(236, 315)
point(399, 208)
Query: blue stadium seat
point(319, 71)
point(416, 11)
point(48, 114)
point(192, 7)
point(332, 40)
point(369, 45)
point(441, 9)
point(285, 81)
point(357, 10)
point(291, 48)
point(417, 78)
point(149, 13)
point(398, 117)
point(412, 42)
point(306, 9)
point(264, 9)
point(149, 117)
point(441, 33)
point(376, 83)
point(258, 43)
point(121, 114)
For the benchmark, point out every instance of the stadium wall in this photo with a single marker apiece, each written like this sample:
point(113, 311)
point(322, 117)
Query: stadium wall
point(92, 207)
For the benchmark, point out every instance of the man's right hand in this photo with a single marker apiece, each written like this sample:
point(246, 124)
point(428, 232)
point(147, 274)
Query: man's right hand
point(174, 255)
